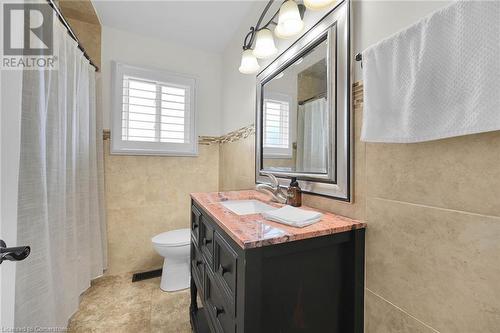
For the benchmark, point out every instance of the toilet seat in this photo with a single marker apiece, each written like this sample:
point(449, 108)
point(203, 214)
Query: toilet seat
point(179, 237)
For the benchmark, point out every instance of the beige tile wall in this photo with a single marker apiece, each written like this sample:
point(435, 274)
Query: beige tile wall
point(439, 265)
point(384, 317)
point(237, 164)
point(83, 20)
point(432, 246)
point(433, 237)
point(147, 195)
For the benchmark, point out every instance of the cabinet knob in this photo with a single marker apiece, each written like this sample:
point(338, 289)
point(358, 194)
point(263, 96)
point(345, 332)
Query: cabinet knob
point(198, 262)
point(218, 311)
point(206, 241)
point(222, 270)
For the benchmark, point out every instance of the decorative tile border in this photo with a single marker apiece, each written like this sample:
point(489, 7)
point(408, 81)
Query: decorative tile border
point(208, 140)
point(245, 132)
point(106, 134)
point(357, 95)
point(239, 134)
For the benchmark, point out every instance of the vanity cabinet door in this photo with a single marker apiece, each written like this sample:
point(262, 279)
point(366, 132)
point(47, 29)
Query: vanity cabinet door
point(195, 224)
point(207, 239)
point(217, 307)
point(197, 268)
point(225, 265)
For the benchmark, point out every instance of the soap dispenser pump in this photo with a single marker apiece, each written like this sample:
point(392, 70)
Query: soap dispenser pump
point(294, 194)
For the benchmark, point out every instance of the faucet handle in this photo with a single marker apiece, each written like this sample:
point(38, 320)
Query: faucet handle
point(274, 180)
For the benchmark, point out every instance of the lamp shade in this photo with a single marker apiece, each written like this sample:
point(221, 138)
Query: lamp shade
point(249, 64)
point(318, 4)
point(289, 21)
point(264, 44)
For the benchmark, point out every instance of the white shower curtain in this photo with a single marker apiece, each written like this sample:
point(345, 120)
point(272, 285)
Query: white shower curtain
point(60, 205)
point(312, 136)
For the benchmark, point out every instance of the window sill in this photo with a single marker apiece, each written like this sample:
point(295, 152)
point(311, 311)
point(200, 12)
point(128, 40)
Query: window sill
point(278, 156)
point(135, 152)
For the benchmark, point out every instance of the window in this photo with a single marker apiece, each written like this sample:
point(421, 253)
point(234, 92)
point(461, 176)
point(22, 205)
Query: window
point(277, 126)
point(153, 113)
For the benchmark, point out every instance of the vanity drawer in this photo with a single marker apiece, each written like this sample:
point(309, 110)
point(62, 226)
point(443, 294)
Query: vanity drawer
point(221, 316)
point(225, 266)
point(197, 267)
point(207, 239)
point(195, 223)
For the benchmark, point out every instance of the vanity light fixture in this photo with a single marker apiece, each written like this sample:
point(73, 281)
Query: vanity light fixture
point(318, 4)
point(289, 20)
point(259, 41)
point(261, 36)
point(249, 64)
point(264, 44)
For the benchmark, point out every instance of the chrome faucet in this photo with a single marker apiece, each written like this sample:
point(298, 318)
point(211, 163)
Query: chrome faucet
point(273, 189)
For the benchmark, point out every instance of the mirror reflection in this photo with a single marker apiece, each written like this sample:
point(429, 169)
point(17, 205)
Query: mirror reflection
point(295, 128)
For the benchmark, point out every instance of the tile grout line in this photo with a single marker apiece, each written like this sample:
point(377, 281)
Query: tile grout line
point(435, 207)
point(402, 310)
point(360, 109)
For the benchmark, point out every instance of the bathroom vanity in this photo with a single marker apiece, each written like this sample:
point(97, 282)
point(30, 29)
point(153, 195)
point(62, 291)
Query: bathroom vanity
point(254, 275)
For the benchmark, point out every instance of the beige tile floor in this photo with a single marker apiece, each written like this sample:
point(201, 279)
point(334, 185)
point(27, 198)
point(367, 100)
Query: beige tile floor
point(115, 304)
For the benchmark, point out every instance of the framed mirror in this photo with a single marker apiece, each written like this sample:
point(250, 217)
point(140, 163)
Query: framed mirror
point(303, 111)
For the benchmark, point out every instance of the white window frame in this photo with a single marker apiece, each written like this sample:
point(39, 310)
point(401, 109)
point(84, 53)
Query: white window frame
point(274, 152)
point(121, 147)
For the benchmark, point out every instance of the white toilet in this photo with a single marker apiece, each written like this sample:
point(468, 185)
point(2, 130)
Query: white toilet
point(174, 247)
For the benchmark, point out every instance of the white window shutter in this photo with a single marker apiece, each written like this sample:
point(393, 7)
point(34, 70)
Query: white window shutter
point(153, 112)
point(276, 124)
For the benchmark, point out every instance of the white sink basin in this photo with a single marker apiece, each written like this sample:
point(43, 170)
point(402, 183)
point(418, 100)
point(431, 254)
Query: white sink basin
point(246, 207)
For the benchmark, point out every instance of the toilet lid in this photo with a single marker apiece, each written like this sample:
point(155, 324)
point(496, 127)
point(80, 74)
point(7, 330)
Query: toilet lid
point(172, 238)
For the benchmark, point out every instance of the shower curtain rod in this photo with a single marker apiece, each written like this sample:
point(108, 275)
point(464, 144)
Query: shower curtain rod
point(318, 96)
point(70, 32)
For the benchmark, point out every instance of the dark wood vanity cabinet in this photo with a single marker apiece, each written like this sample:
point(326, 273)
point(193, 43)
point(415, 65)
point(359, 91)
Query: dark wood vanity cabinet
point(311, 285)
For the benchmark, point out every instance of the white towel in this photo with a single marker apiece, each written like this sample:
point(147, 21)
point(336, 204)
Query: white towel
point(292, 216)
point(439, 78)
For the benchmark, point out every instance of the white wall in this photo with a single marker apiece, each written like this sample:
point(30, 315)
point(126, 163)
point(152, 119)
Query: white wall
point(238, 90)
point(372, 21)
point(153, 53)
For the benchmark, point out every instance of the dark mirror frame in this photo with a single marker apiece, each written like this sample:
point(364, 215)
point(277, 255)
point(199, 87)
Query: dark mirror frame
point(336, 183)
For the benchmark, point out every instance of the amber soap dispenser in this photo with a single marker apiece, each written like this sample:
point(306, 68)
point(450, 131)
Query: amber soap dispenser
point(294, 194)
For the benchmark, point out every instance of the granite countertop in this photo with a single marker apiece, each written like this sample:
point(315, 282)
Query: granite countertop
point(250, 231)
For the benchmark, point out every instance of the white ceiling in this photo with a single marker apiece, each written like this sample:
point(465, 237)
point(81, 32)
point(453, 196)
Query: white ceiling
point(207, 25)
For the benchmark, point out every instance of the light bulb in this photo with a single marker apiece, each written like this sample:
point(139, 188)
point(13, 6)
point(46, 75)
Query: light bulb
point(318, 4)
point(264, 44)
point(249, 64)
point(289, 21)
